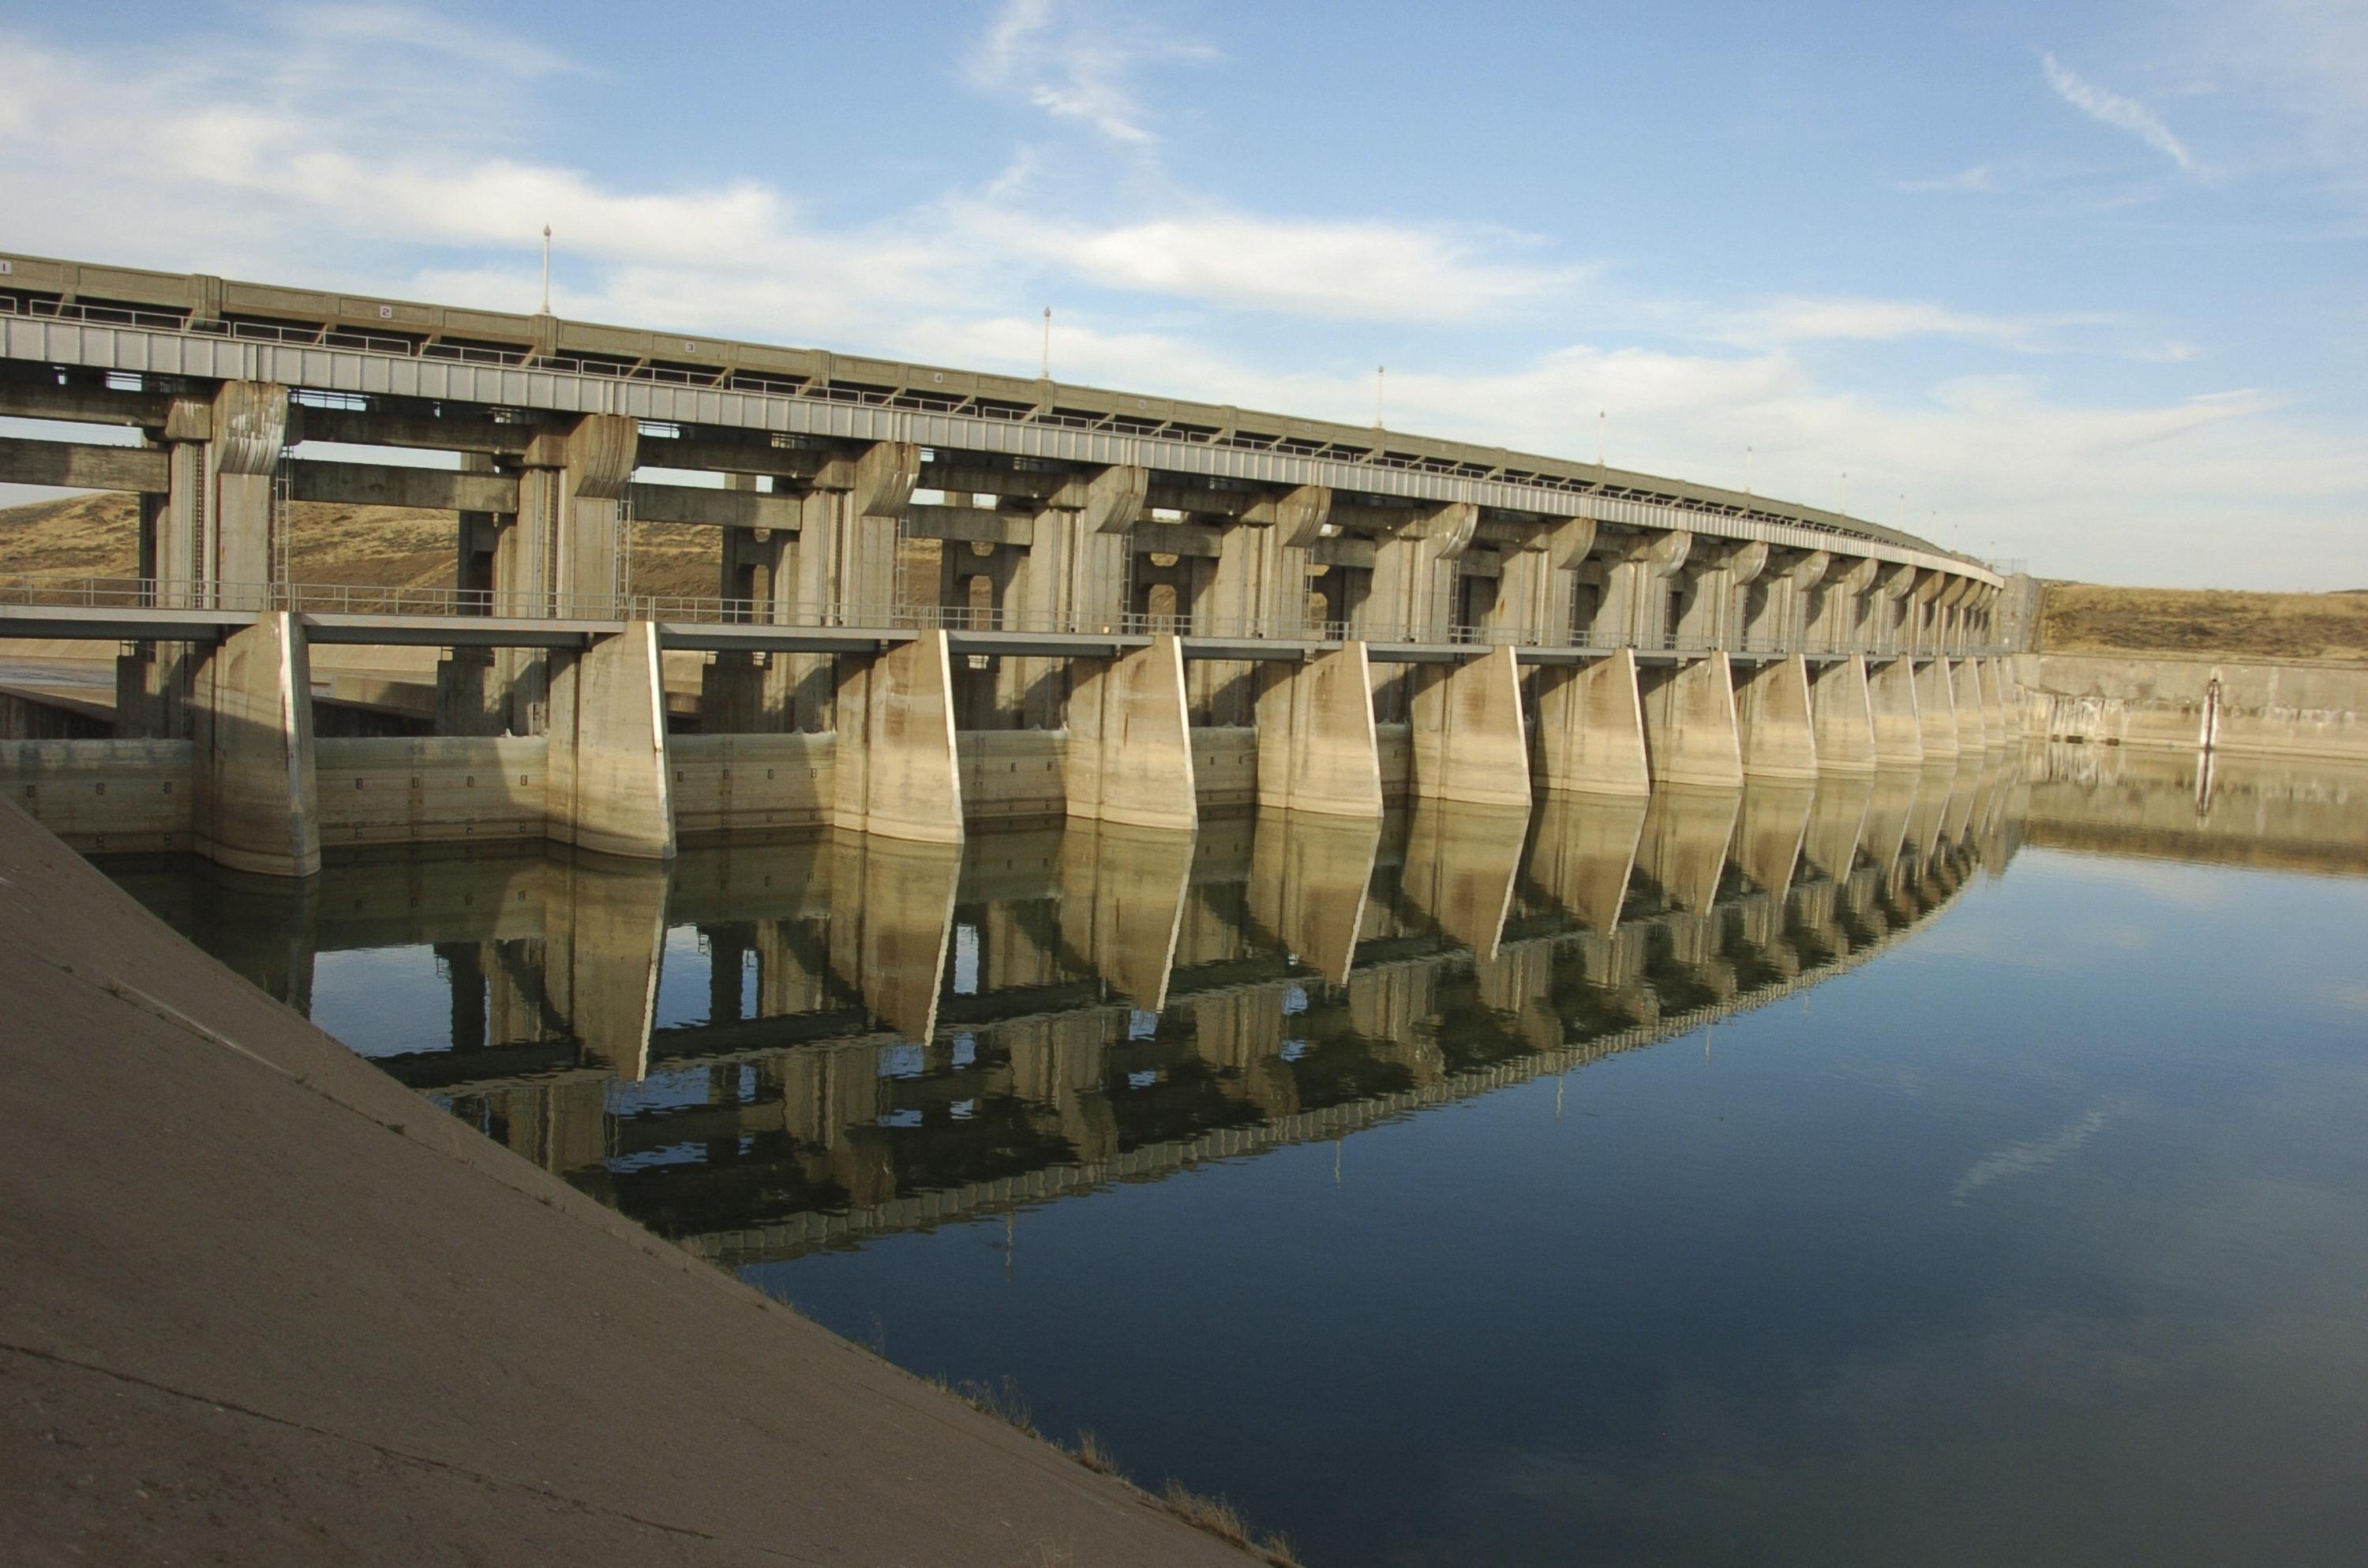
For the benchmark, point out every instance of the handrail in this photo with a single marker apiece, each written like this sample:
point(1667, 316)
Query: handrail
point(341, 598)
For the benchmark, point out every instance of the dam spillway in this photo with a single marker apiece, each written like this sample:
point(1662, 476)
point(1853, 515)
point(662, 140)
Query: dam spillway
point(941, 598)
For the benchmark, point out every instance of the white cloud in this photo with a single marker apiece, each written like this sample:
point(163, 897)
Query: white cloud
point(1360, 270)
point(1076, 68)
point(2111, 109)
point(1799, 319)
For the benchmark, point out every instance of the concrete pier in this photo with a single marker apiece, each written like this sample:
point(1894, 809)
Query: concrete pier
point(1130, 752)
point(1843, 707)
point(903, 780)
point(1469, 742)
point(1898, 723)
point(1965, 694)
point(1690, 736)
point(609, 784)
point(1317, 750)
point(256, 806)
point(1776, 725)
point(1935, 708)
point(1590, 727)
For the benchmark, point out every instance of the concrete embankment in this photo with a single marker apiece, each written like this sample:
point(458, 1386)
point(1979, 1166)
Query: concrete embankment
point(2169, 700)
point(258, 1303)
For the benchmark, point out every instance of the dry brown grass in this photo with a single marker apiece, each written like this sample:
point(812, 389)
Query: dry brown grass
point(98, 535)
point(2091, 618)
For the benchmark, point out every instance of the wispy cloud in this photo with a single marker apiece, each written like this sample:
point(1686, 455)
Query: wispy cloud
point(2111, 109)
point(1806, 319)
point(1982, 179)
point(1076, 68)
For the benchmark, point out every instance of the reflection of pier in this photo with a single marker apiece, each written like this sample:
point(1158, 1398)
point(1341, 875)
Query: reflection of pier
point(891, 1034)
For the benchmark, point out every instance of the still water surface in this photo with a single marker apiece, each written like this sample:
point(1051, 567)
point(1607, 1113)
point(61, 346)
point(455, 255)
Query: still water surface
point(1963, 1167)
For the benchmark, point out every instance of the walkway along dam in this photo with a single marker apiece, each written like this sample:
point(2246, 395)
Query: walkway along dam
point(1134, 608)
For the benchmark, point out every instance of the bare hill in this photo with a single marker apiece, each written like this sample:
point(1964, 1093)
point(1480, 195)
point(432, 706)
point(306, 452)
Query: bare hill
point(97, 535)
point(2089, 617)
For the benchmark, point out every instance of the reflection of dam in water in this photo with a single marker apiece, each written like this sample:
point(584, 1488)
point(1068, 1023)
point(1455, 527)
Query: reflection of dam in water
point(770, 1047)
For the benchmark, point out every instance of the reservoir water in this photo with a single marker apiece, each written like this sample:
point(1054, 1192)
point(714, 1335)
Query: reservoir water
point(1963, 1167)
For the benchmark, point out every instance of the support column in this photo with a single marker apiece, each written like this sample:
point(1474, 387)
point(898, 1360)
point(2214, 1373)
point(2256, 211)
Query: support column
point(1591, 729)
point(1711, 614)
point(1257, 587)
point(610, 788)
point(558, 555)
point(1073, 578)
point(1777, 731)
point(1776, 616)
point(256, 808)
point(1413, 593)
point(1534, 596)
point(1935, 708)
point(1317, 751)
point(896, 770)
point(1884, 633)
point(1995, 712)
point(1636, 570)
point(1898, 726)
point(1468, 739)
point(841, 572)
point(1839, 622)
point(1843, 717)
point(1130, 756)
point(215, 542)
point(1966, 693)
point(1689, 726)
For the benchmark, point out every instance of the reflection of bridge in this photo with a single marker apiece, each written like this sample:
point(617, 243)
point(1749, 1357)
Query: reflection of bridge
point(939, 595)
point(897, 1033)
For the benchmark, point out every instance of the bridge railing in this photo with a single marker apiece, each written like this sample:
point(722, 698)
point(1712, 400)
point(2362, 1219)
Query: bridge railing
point(413, 601)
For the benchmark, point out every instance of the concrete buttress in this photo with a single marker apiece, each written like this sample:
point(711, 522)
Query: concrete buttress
point(251, 724)
point(1591, 729)
point(1129, 753)
point(1316, 747)
point(896, 771)
point(610, 788)
point(1966, 692)
point(1778, 733)
point(1690, 729)
point(1468, 740)
point(1936, 710)
point(1842, 707)
point(1898, 726)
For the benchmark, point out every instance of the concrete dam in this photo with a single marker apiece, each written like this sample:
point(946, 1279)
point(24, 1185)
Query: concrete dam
point(941, 597)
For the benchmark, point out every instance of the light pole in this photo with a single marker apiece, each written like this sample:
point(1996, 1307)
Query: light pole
point(546, 269)
point(1380, 383)
point(1044, 367)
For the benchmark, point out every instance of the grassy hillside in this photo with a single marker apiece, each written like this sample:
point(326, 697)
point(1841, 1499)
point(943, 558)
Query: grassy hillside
point(2086, 617)
point(98, 536)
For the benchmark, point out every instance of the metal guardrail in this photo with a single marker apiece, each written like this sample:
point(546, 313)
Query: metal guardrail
point(363, 600)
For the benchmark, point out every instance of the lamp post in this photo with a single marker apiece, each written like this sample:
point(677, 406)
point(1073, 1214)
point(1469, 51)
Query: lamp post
point(546, 269)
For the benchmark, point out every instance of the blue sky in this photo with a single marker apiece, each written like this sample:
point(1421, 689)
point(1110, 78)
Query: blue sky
point(2089, 290)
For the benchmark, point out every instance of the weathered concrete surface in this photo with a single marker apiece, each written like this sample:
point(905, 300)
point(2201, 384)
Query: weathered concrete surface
point(263, 1305)
point(1690, 738)
point(1843, 709)
point(1469, 742)
point(1590, 734)
point(2300, 710)
point(1130, 754)
point(1776, 728)
point(1317, 746)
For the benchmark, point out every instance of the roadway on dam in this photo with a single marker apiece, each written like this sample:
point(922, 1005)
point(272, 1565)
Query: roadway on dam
point(263, 1304)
